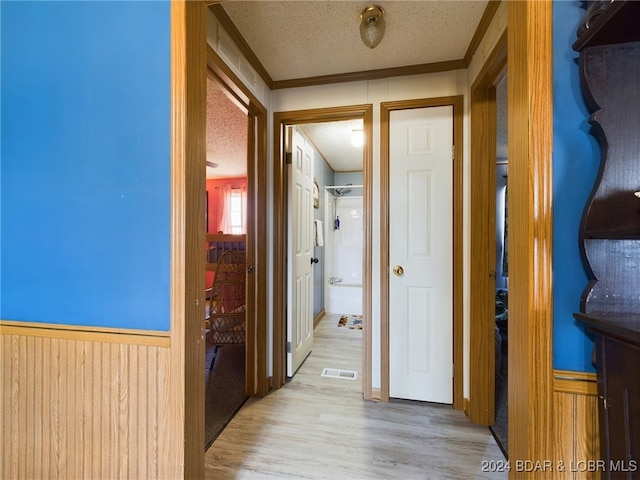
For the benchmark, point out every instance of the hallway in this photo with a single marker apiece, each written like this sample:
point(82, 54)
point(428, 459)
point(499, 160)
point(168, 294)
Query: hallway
point(316, 427)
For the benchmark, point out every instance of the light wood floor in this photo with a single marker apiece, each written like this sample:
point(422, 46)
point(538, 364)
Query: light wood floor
point(317, 427)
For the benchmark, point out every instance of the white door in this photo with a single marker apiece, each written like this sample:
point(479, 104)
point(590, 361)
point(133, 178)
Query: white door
point(421, 254)
point(300, 245)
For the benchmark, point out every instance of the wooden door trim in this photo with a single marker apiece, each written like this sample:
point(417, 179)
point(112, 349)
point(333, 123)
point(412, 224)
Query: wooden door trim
point(256, 361)
point(530, 183)
point(188, 127)
point(281, 120)
point(482, 237)
point(385, 110)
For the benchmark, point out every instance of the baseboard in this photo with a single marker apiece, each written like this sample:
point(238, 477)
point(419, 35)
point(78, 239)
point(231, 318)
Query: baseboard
point(318, 317)
point(375, 395)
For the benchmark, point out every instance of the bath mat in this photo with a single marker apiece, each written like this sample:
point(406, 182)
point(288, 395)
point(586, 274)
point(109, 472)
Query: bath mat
point(353, 322)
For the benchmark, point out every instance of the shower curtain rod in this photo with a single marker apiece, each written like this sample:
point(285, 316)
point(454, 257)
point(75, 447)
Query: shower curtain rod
point(343, 186)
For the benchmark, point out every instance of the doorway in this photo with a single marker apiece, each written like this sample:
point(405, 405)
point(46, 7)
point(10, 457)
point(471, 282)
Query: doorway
point(331, 222)
point(284, 122)
point(254, 195)
point(456, 285)
point(420, 250)
point(483, 270)
point(226, 220)
point(500, 425)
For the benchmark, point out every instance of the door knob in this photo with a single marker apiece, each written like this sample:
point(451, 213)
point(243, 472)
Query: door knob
point(314, 260)
point(398, 270)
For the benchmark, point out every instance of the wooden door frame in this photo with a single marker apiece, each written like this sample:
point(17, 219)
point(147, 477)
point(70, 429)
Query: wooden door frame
point(281, 120)
point(191, 61)
point(482, 206)
point(457, 285)
point(530, 183)
point(256, 361)
point(188, 152)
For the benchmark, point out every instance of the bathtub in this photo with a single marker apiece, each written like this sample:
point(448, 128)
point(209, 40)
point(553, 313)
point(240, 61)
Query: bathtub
point(343, 299)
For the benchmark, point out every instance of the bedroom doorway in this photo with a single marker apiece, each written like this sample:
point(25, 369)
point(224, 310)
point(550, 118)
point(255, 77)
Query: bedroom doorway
point(257, 378)
point(485, 350)
point(500, 424)
point(226, 297)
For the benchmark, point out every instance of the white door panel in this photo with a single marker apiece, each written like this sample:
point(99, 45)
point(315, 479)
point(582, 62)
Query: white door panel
point(300, 295)
point(421, 236)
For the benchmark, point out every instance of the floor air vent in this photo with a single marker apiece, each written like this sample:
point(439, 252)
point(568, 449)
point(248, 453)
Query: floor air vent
point(337, 373)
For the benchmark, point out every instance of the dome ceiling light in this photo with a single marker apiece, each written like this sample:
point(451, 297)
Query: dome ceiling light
point(372, 25)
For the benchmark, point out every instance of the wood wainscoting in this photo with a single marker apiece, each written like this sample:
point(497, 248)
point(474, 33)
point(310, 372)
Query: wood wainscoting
point(575, 425)
point(87, 404)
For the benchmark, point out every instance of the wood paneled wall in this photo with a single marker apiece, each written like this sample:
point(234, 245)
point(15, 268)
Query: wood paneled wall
point(575, 425)
point(86, 408)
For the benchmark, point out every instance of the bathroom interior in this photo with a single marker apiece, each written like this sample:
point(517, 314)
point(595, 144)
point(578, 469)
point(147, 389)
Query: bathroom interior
point(343, 247)
point(338, 215)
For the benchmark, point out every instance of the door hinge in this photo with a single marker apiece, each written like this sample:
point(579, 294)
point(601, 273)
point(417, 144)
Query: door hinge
point(453, 370)
point(453, 152)
point(288, 347)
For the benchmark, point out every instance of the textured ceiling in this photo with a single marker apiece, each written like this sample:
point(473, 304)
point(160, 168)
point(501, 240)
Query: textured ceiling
point(227, 135)
point(333, 141)
point(299, 39)
point(302, 39)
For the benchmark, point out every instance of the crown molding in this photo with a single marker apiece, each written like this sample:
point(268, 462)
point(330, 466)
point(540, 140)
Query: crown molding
point(370, 74)
point(436, 67)
point(481, 31)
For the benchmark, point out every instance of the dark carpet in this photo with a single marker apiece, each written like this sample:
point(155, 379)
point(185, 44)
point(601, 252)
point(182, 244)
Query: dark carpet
point(500, 426)
point(224, 389)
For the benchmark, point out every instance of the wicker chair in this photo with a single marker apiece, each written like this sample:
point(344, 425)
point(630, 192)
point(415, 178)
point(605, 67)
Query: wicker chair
point(226, 307)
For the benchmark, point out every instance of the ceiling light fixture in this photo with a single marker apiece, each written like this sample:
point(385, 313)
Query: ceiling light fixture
point(372, 25)
point(357, 138)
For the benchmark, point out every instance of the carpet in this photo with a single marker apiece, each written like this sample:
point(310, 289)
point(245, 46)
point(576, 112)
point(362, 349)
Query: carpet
point(224, 389)
point(500, 428)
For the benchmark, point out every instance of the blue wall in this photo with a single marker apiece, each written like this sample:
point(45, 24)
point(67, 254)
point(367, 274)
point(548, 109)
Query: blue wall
point(85, 163)
point(324, 175)
point(576, 160)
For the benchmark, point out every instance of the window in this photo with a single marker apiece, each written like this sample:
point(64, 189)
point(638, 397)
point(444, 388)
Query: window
point(232, 204)
point(236, 211)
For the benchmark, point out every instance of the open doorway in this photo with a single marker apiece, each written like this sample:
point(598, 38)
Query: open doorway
point(313, 121)
point(500, 425)
point(488, 239)
point(226, 227)
point(237, 206)
point(331, 215)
